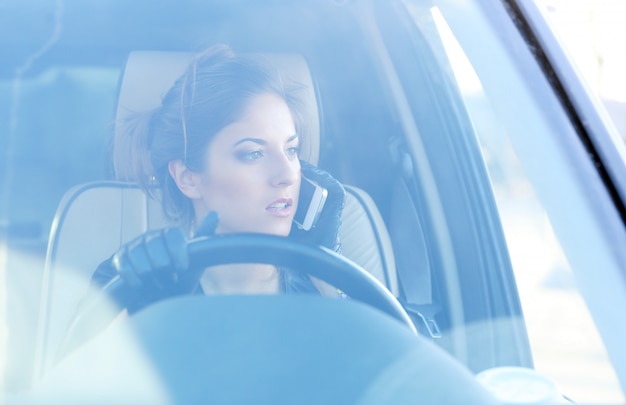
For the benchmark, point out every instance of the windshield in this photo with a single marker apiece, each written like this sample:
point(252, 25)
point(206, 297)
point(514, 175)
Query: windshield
point(483, 201)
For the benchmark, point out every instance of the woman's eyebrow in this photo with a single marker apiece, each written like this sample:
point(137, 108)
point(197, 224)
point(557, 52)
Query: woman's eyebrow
point(255, 140)
point(261, 141)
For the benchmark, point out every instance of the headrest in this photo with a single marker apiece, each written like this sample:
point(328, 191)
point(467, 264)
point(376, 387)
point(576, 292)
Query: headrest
point(148, 75)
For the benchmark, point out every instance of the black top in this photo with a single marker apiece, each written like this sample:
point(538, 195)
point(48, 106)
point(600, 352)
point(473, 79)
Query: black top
point(133, 299)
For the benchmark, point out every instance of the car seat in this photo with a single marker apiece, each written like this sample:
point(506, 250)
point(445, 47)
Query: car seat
point(82, 237)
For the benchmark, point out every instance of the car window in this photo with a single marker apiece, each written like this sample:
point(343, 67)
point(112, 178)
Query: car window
point(56, 135)
point(81, 95)
point(591, 32)
point(564, 341)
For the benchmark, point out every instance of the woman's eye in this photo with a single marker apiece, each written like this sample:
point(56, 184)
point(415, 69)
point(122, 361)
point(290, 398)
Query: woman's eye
point(293, 151)
point(250, 156)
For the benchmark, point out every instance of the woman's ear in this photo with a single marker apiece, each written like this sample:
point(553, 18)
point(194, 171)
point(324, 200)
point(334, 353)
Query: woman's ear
point(188, 181)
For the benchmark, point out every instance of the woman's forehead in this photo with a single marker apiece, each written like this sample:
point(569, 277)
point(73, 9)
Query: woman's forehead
point(266, 118)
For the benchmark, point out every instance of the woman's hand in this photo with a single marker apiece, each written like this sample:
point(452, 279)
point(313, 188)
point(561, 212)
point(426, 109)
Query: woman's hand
point(326, 231)
point(154, 265)
point(155, 259)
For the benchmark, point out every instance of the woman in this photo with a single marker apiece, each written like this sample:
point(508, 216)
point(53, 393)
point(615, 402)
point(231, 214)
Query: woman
point(222, 149)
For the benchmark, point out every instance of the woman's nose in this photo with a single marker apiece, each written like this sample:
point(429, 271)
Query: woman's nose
point(286, 172)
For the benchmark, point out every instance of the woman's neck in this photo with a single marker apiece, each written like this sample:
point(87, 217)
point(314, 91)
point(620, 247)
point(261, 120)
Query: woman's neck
point(241, 279)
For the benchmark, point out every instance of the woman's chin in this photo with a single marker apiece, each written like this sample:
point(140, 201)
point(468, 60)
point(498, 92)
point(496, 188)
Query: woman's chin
point(280, 232)
point(282, 229)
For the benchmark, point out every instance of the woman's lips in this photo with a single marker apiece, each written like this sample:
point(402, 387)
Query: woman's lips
point(281, 207)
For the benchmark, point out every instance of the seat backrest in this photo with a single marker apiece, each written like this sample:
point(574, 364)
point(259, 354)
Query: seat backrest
point(94, 219)
point(365, 240)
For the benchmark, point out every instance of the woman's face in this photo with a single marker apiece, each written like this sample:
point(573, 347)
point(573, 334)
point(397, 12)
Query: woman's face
point(252, 173)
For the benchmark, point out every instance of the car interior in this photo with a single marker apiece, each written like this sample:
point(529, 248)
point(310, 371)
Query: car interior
point(127, 211)
point(409, 158)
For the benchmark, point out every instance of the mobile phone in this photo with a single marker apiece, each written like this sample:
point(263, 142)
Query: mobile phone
point(310, 204)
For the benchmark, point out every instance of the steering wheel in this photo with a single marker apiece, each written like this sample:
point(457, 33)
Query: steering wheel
point(398, 367)
point(315, 261)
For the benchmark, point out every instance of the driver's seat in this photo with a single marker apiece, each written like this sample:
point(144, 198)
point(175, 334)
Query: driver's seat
point(82, 236)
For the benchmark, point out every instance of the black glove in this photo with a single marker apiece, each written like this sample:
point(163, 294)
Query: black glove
point(326, 231)
point(153, 266)
point(153, 260)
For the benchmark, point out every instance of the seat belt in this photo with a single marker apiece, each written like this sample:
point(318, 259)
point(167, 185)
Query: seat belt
point(413, 266)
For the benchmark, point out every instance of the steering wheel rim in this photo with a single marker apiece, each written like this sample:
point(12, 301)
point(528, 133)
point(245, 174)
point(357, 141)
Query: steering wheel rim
point(204, 252)
point(315, 261)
